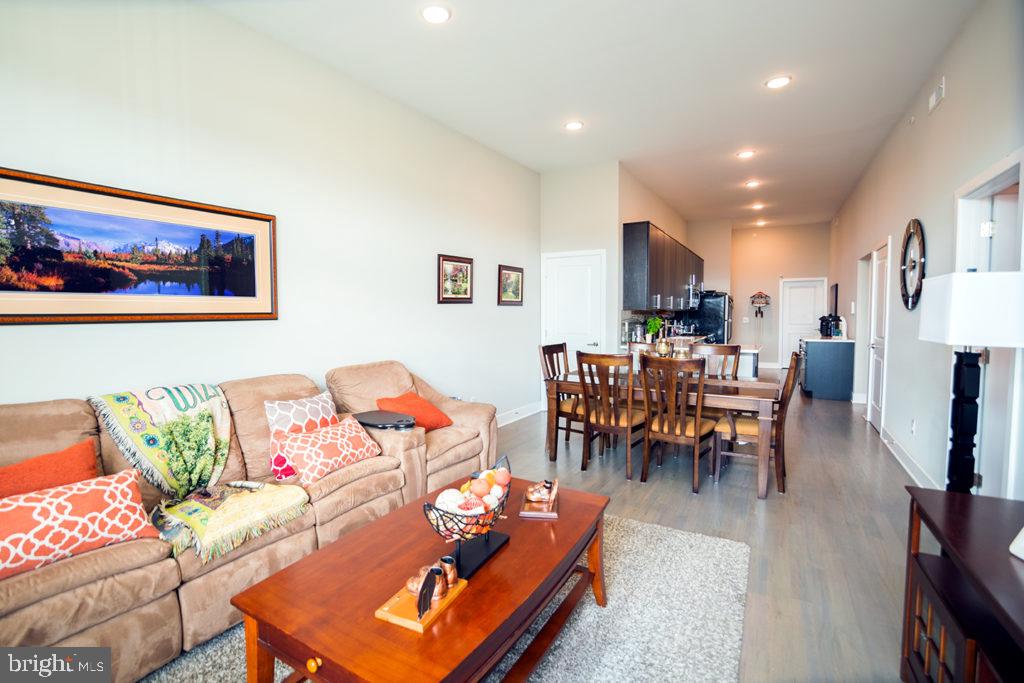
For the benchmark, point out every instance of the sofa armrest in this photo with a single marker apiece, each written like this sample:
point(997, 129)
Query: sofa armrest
point(410, 447)
point(478, 416)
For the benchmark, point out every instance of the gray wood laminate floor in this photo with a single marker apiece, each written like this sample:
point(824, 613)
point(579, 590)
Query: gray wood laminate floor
point(827, 558)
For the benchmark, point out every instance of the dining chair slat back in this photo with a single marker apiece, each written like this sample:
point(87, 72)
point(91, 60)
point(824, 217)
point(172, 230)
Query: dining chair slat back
point(723, 360)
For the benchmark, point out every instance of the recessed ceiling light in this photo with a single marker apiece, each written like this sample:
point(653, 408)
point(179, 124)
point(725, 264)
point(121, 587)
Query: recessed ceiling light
point(573, 125)
point(751, 184)
point(776, 82)
point(761, 223)
point(757, 206)
point(436, 14)
point(745, 153)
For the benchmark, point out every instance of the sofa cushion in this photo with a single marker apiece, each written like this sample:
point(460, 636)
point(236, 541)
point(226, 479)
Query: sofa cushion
point(63, 614)
point(356, 388)
point(46, 526)
point(346, 475)
point(356, 517)
point(427, 415)
point(74, 463)
point(245, 399)
point(191, 565)
point(357, 493)
point(206, 608)
point(28, 429)
point(144, 639)
point(29, 587)
point(450, 445)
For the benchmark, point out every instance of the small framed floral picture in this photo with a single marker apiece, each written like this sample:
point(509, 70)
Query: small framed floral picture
point(510, 286)
point(454, 279)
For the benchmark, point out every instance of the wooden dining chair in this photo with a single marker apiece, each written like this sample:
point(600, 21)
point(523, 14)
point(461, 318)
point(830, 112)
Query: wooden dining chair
point(745, 428)
point(607, 381)
point(667, 383)
point(726, 357)
point(554, 361)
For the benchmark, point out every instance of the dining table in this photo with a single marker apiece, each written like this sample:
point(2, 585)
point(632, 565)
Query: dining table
point(755, 396)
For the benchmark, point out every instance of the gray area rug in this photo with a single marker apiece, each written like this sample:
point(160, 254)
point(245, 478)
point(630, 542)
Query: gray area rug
point(675, 612)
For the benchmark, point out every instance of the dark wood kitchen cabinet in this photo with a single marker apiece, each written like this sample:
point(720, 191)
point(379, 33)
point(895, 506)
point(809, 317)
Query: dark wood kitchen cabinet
point(656, 269)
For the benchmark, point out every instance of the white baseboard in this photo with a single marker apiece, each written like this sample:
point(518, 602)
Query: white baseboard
point(768, 366)
point(519, 413)
point(859, 398)
point(915, 471)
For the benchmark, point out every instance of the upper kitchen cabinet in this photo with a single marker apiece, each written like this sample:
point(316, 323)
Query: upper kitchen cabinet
point(656, 269)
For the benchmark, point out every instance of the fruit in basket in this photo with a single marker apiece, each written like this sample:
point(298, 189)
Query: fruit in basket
point(502, 476)
point(491, 501)
point(479, 487)
point(472, 506)
point(449, 500)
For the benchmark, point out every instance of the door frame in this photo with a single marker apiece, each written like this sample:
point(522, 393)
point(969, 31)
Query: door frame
point(545, 261)
point(887, 243)
point(1000, 175)
point(782, 310)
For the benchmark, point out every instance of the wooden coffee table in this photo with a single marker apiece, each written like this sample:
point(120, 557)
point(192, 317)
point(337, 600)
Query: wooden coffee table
point(317, 615)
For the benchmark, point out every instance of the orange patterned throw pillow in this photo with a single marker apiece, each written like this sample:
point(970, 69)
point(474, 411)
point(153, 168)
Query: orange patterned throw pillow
point(288, 417)
point(319, 452)
point(49, 525)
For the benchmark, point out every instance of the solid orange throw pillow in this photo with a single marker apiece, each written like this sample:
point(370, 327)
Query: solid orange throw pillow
point(426, 413)
point(74, 463)
point(45, 526)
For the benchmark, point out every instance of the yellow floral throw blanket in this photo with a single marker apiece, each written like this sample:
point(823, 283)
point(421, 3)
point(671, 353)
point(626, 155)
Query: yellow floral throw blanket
point(217, 520)
point(178, 438)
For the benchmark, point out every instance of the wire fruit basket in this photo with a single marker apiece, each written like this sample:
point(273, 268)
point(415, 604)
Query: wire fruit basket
point(456, 527)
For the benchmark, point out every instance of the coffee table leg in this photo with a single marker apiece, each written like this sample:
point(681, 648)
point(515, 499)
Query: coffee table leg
point(259, 664)
point(595, 563)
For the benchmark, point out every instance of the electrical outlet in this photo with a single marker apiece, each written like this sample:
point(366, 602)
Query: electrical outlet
point(988, 228)
point(746, 320)
point(853, 308)
point(913, 426)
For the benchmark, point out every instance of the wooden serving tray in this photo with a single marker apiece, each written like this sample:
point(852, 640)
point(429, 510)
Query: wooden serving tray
point(401, 608)
point(543, 510)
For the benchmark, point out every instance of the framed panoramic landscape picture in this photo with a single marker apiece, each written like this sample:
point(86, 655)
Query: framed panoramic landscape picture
point(510, 286)
point(77, 252)
point(454, 279)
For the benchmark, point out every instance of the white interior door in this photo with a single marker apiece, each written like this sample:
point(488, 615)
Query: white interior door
point(998, 375)
point(573, 294)
point(876, 349)
point(803, 302)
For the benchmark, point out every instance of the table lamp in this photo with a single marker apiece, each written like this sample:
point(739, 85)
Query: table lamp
point(975, 311)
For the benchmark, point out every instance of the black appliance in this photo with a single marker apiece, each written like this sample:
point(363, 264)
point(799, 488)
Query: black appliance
point(828, 325)
point(713, 317)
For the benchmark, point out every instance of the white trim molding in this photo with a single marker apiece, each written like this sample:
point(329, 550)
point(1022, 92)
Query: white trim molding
point(510, 416)
point(861, 397)
point(910, 465)
point(769, 366)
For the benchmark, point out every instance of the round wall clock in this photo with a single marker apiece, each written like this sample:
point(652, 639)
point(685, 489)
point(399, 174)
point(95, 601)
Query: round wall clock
point(912, 264)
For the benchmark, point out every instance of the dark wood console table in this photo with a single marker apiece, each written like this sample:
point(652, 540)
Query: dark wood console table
point(963, 614)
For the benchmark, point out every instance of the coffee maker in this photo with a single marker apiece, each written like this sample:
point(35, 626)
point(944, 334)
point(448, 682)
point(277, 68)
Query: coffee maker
point(828, 326)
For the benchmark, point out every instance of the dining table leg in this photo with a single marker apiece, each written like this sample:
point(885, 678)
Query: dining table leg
point(551, 436)
point(765, 409)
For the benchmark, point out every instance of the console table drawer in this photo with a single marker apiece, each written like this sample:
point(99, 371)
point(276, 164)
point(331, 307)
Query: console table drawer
point(939, 650)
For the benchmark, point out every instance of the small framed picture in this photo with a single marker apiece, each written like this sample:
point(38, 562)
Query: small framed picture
point(454, 279)
point(510, 286)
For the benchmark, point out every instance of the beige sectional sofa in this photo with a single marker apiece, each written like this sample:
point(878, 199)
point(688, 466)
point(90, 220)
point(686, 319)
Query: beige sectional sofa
point(149, 606)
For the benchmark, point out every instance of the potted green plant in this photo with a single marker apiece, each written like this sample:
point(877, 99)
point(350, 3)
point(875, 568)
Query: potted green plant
point(654, 325)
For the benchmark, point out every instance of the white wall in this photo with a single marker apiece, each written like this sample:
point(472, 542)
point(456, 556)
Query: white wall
point(760, 257)
point(712, 241)
point(915, 174)
point(173, 99)
point(580, 212)
point(638, 203)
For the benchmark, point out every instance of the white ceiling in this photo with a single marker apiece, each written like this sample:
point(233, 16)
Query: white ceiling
point(673, 88)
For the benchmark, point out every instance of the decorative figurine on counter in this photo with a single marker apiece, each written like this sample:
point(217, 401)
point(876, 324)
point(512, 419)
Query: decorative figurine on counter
point(541, 501)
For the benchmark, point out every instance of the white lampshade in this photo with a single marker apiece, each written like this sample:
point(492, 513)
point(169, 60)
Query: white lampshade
point(973, 309)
